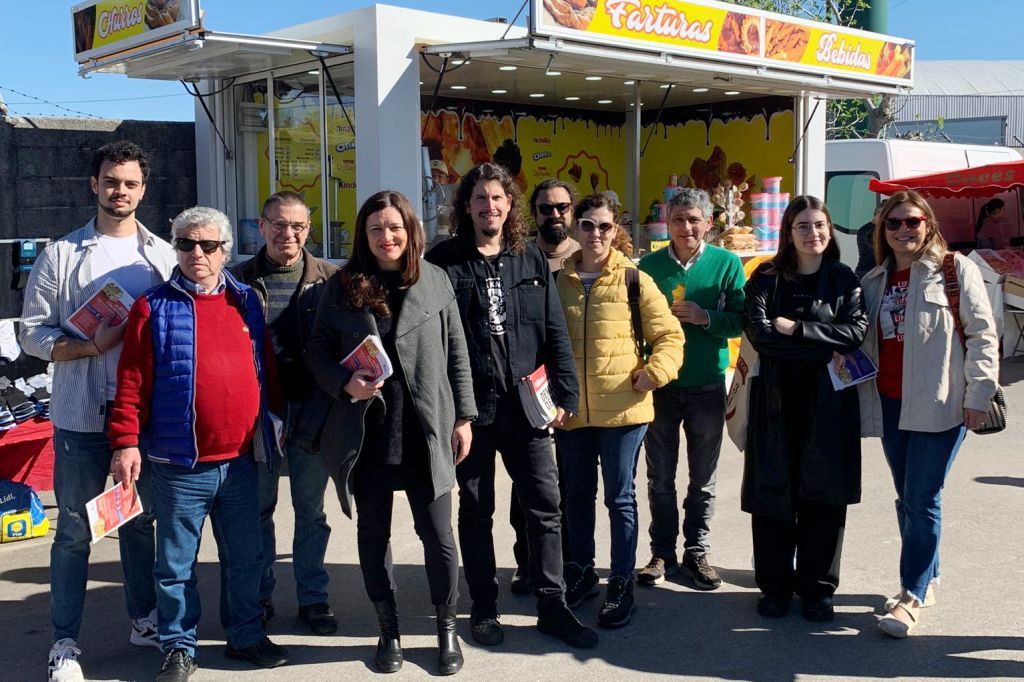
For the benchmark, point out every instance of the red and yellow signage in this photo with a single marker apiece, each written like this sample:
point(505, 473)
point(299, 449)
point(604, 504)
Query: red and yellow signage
point(714, 28)
point(103, 27)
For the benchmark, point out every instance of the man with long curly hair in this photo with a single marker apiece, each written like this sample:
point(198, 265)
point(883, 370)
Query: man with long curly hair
point(514, 323)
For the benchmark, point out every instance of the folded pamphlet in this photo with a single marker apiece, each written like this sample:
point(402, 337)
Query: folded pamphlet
point(111, 302)
point(369, 354)
point(535, 395)
point(111, 509)
point(851, 369)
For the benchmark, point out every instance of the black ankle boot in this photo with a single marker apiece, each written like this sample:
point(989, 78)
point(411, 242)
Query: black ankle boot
point(389, 647)
point(449, 653)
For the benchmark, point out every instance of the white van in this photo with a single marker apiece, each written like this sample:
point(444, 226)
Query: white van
point(850, 165)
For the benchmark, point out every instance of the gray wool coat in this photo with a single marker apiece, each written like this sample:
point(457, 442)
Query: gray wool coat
point(431, 348)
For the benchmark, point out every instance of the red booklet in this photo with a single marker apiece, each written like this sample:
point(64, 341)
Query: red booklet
point(111, 509)
point(535, 394)
point(110, 302)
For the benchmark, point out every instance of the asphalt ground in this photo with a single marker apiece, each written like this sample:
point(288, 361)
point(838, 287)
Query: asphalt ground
point(976, 631)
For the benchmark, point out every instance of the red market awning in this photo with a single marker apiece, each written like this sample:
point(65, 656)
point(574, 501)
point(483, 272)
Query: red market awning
point(980, 181)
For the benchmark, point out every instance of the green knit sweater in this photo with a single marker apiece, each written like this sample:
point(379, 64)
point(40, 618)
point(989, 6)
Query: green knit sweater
point(715, 283)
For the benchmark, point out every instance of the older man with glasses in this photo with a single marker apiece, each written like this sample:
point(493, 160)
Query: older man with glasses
point(193, 394)
point(288, 280)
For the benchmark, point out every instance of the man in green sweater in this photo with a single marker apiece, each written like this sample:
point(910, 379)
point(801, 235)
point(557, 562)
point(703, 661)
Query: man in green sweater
point(704, 286)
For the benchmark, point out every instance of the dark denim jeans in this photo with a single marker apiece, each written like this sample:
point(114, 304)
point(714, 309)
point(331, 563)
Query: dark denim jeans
point(228, 493)
point(701, 411)
point(618, 449)
point(529, 460)
point(307, 480)
point(920, 462)
point(80, 470)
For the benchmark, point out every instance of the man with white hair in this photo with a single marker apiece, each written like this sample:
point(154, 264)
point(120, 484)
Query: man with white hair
point(193, 394)
point(113, 245)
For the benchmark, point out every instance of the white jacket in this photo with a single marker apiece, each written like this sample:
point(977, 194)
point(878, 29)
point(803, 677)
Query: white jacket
point(939, 378)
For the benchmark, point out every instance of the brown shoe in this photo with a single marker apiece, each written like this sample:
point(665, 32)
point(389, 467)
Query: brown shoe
point(700, 571)
point(655, 571)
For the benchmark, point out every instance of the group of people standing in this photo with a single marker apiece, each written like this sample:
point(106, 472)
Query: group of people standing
point(219, 378)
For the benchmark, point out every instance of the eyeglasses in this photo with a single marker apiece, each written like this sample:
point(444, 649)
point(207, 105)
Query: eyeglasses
point(912, 222)
point(282, 225)
point(548, 209)
point(588, 225)
point(805, 228)
point(208, 246)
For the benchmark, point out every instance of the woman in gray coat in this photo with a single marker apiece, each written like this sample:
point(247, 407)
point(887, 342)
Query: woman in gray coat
point(404, 432)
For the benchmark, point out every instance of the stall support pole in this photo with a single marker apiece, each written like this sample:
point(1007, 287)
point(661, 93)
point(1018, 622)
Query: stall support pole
point(810, 155)
point(633, 158)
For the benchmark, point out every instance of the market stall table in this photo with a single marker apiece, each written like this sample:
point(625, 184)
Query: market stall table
point(26, 454)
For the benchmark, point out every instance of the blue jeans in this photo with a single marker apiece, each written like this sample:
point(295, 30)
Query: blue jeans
point(227, 492)
point(80, 470)
point(617, 448)
point(307, 478)
point(701, 411)
point(920, 462)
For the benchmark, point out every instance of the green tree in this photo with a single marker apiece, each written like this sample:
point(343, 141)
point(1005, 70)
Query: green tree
point(844, 118)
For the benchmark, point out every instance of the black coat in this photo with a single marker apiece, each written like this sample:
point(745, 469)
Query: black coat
point(827, 466)
point(535, 324)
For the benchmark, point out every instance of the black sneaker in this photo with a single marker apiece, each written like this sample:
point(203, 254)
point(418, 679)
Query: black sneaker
point(319, 617)
point(178, 665)
point(580, 583)
point(818, 610)
point(617, 609)
point(267, 608)
point(773, 605)
point(656, 570)
point(556, 619)
point(697, 568)
point(264, 653)
point(521, 583)
point(484, 626)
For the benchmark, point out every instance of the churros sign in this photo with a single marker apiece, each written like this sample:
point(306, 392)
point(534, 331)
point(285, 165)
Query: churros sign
point(102, 27)
point(733, 32)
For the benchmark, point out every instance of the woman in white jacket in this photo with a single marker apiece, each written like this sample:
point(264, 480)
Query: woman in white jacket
point(947, 382)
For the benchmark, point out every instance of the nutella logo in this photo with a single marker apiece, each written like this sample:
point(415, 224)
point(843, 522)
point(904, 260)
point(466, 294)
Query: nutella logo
point(542, 140)
point(119, 19)
point(660, 20)
point(829, 52)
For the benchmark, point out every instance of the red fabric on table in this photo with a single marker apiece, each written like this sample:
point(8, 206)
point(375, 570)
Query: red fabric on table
point(26, 454)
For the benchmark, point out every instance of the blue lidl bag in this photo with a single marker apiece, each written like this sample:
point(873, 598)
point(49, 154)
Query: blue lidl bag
point(21, 512)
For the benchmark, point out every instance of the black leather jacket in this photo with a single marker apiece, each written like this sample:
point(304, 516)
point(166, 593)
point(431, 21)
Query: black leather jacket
point(826, 468)
point(536, 325)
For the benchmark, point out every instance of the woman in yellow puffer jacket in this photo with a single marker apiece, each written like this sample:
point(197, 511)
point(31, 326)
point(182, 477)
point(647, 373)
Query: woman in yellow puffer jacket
point(615, 400)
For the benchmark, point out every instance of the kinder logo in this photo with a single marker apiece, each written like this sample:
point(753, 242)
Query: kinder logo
point(840, 54)
point(659, 20)
point(541, 155)
point(119, 19)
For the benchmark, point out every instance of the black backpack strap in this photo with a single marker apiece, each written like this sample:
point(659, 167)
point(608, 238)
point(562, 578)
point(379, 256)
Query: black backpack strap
point(633, 295)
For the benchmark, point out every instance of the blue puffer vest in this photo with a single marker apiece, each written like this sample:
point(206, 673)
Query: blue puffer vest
point(169, 435)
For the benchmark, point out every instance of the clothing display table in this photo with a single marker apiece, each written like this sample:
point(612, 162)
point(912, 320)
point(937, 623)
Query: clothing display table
point(26, 454)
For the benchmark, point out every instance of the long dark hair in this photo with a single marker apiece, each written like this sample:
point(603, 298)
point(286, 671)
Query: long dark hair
point(513, 231)
point(935, 245)
point(361, 276)
point(990, 207)
point(785, 259)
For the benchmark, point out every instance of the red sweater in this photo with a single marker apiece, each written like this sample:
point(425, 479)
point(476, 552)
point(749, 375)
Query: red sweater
point(227, 393)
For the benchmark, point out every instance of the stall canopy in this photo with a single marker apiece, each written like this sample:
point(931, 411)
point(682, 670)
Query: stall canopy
point(977, 182)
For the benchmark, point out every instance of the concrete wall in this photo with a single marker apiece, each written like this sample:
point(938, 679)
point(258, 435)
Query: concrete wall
point(44, 180)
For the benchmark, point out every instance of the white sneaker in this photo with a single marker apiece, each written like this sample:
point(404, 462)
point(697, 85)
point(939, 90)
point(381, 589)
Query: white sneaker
point(63, 665)
point(144, 631)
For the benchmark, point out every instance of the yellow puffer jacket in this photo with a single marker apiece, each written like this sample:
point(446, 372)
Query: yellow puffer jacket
point(601, 332)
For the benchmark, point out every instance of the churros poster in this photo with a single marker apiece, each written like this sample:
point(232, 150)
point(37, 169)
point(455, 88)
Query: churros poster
point(733, 32)
point(103, 27)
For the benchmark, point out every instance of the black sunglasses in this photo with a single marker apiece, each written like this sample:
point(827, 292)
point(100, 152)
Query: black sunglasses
point(208, 246)
point(547, 209)
point(913, 222)
point(588, 225)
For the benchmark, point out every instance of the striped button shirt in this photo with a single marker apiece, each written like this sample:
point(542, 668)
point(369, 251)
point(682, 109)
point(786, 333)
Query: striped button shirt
point(60, 282)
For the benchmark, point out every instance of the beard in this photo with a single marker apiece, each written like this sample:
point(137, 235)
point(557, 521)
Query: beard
point(117, 212)
point(553, 231)
point(489, 231)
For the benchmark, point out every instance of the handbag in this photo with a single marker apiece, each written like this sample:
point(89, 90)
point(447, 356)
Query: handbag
point(995, 416)
point(737, 404)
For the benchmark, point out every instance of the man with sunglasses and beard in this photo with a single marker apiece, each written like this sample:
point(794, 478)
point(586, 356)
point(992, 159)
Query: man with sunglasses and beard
point(113, 245)
point(196, 384)
point(551, 207)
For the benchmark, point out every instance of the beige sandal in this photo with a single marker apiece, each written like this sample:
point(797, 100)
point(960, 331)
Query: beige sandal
point(894, 626)
point(929, 598)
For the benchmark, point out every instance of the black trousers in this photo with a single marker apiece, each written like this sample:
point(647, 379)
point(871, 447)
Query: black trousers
point(527, 455)
point(517, 519)
point(432, 520)
point(814, 535)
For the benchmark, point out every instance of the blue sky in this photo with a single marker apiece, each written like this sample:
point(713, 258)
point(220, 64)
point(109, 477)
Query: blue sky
point(36, 55)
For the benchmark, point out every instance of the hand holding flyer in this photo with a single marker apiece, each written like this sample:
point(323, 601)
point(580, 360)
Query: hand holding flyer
point(111, 302)
point(369, 355)
point(111, 509)
point(851, 369)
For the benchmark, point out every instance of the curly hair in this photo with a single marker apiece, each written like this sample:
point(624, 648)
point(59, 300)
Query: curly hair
point(514, 230)
point(360, 277)
point(120, 152)
point(621, 241)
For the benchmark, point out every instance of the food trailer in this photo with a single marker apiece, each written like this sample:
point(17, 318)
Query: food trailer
point(630, 96)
